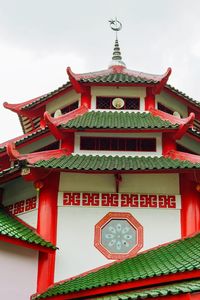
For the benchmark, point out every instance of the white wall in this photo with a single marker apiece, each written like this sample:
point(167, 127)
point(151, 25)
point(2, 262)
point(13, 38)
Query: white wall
point(17, 190)
point(18, 276)
point(75, 234)
point(62, 101)
point(37, 145)
point(190, 143)
point(172, 103)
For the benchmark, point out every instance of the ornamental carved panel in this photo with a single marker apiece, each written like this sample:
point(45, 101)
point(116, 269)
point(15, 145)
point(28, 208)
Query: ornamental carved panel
point(118, 235)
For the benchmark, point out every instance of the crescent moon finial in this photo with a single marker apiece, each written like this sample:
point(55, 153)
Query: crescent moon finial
point(115, 24)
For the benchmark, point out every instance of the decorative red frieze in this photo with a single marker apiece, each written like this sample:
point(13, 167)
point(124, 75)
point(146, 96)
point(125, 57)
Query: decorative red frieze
point(71, 199)
point(119, 200)
point(22, 206)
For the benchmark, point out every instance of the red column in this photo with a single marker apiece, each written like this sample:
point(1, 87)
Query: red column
point(68, 142)
point(168, 142)
point(190, 212)
point(86, 98)
point(47, 227)
point(149, 99)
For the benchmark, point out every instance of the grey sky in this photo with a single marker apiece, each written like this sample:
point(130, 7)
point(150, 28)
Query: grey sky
point(40, 38)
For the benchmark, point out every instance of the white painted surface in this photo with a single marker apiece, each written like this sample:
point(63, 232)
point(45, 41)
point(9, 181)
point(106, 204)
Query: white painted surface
point(150, 183)
point(37, 145)
point(172, 103)
point(29, 217)
point(62, 101)
point(17, 190)
point(137, 183)
point(118, 92)
point(87, 182)
point(156, 135)
point(190, 143)
point(18, 276)
point(75, 235)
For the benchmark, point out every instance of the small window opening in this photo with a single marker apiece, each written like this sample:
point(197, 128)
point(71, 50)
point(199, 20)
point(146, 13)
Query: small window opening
point(107, 103)
point(118, 144)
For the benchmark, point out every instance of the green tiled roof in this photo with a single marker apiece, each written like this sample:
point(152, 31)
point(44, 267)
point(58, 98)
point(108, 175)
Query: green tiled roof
point(46, 96)
point(24, 138)
point(118, 78)
point(166, 290)
point(176, 257)
point(102, 163)
point(119, 120)
point(12, 227)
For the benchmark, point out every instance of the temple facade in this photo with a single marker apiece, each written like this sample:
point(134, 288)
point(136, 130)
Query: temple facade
point(104, 182)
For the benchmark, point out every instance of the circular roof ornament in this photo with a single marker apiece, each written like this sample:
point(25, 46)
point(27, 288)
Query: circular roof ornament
point(115, 25)
point(118, 103)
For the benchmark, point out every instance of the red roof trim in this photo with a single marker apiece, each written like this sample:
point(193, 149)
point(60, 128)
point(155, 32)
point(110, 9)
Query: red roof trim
point(121, 70)
point(17, 107)
point(172, 119)
point(141, 283)
point(66, 117)
point(158, 88)
point(183, 156)
point(25, 244)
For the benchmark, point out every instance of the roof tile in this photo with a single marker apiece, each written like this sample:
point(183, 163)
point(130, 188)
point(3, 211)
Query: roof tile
point(169, 289)
point(118, 120)
point(179, 256)
point(13, 227)
point(102, 163)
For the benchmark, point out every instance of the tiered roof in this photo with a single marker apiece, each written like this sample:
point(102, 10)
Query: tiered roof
point(182, 256)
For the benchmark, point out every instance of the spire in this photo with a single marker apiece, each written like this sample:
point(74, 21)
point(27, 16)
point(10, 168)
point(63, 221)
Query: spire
point(116, 58)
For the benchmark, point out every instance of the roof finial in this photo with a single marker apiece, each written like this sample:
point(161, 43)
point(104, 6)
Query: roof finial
point(116, 58)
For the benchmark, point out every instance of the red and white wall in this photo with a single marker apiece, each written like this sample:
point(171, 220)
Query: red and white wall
point(76, 223)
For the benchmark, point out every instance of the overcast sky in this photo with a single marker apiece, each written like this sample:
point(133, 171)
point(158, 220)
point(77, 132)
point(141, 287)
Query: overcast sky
point(40, 38)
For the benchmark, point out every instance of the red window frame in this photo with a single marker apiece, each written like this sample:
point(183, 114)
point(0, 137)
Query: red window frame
point(108, 101)
point(117, 144)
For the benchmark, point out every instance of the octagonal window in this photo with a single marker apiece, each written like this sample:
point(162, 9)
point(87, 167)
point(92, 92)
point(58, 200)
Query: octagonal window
point(118, 235)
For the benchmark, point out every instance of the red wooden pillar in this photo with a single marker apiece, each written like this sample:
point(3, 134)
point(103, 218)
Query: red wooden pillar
point(168, 142)
point(47, 227)
point(149, 99)
point(190, 212)
point(68, 142)
point(86, 97)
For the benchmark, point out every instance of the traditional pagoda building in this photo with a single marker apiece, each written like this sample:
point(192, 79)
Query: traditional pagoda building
point(104, 182)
